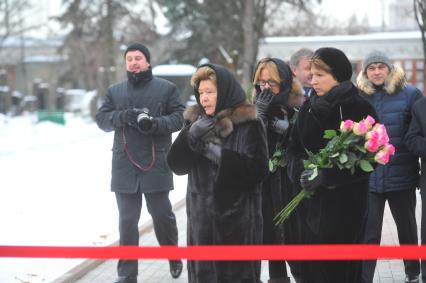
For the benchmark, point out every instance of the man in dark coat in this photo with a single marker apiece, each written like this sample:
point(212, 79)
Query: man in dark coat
point(143, 111)
point(385, 87)
point(223, 150)
point(415, 140)
point(335, 214)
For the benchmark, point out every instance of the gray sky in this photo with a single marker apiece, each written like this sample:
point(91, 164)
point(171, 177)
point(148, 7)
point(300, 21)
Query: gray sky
point(343, 9)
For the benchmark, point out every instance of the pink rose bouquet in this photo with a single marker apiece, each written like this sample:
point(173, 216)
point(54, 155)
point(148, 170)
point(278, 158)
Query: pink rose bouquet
point(359, 145)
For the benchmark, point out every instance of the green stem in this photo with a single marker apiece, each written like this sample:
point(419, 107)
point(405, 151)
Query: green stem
point(288, 209)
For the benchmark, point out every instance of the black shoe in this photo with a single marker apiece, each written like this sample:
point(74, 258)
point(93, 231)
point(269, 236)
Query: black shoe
point(126, 279)
point(412, 279)
point(176, 267)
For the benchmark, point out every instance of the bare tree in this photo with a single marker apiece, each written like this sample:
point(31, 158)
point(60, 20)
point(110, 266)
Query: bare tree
point(13, 20)
point(306, 22)
point(420, 14)
point(197, 24)
point(249, 42)
point(97, 29)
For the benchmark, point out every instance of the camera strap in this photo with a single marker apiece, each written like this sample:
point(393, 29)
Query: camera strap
point(143, 169)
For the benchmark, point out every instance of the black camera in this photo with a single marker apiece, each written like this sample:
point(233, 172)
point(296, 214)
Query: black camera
point(144, 120)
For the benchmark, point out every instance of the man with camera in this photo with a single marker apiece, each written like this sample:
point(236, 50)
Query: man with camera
point(143, 111)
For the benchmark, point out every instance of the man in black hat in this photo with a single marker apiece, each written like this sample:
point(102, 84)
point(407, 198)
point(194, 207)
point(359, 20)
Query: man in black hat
point(384, 85)
point(143, 111)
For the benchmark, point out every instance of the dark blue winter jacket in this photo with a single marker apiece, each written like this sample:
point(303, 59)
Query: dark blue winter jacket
point(393, 105)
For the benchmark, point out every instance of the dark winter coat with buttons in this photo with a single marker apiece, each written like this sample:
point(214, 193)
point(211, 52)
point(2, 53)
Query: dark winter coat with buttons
point(393, 104)
point(224, 201)
point(162, 99)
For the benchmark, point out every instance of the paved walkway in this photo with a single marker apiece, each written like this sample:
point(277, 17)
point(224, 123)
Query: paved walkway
point(157, 271)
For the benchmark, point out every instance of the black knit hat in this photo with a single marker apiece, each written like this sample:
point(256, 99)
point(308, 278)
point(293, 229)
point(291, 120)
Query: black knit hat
point(142, 48)
point(339, 64)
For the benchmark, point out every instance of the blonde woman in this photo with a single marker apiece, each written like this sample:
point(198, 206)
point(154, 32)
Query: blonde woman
point(278, 95)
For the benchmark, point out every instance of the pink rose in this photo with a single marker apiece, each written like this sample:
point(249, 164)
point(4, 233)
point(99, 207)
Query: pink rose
point(369, 121)
point(346, 126)
point(390, 149)
point(372, 135)
point(380, 129)
point(382, 157)
point(372, 145)
point(383, 138)
point(360, 128)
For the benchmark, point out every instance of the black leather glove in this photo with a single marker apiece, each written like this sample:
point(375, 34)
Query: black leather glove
point(129, 117)
point(263, 101)
point(279, 126)
point(213, 152)
point(309, 182)
point(197, 130)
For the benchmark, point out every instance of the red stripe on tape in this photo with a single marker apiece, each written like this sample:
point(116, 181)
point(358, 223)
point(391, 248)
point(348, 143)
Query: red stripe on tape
point(273, 252)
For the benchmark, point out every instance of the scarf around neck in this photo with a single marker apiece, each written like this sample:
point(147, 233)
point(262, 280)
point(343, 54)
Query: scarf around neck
point(136, 78)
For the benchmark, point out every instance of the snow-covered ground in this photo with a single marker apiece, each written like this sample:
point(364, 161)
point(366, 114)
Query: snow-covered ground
point(55, 191)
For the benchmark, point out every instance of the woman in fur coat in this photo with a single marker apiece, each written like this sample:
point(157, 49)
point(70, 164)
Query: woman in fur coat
point(335, 214)
point(222, 148)
point(277, 95)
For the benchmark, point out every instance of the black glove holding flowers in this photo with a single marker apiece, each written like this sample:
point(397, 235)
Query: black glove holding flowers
point(197, 131)
point(309, 182)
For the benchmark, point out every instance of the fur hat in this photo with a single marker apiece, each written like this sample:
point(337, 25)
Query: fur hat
point(376, 57)
point(142, 48)
point(339, 64)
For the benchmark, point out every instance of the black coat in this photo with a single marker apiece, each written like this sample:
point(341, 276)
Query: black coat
point(224, 201)
point(335, 215)
point(277, 190)
point(415, 139)
point(162, 99)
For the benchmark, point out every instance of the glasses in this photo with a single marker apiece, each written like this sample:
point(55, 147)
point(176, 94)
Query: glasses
point(271, 83)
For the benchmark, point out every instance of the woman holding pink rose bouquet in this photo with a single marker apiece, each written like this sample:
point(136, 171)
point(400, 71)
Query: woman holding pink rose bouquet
point(335, 211)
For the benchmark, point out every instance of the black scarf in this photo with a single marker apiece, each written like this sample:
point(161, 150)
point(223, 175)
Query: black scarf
point(229, 90)
point(321, 105)
point(137, 78)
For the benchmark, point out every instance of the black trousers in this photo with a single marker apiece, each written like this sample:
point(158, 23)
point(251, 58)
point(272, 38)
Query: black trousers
point(272, 235)
point(163, 218)
point(402, 205)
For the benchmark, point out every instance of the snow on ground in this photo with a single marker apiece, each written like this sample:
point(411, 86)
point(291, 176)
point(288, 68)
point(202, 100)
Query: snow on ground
point(55, 191)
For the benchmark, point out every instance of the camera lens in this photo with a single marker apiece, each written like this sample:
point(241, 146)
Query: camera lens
point(141, 116)
point(144, 121)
